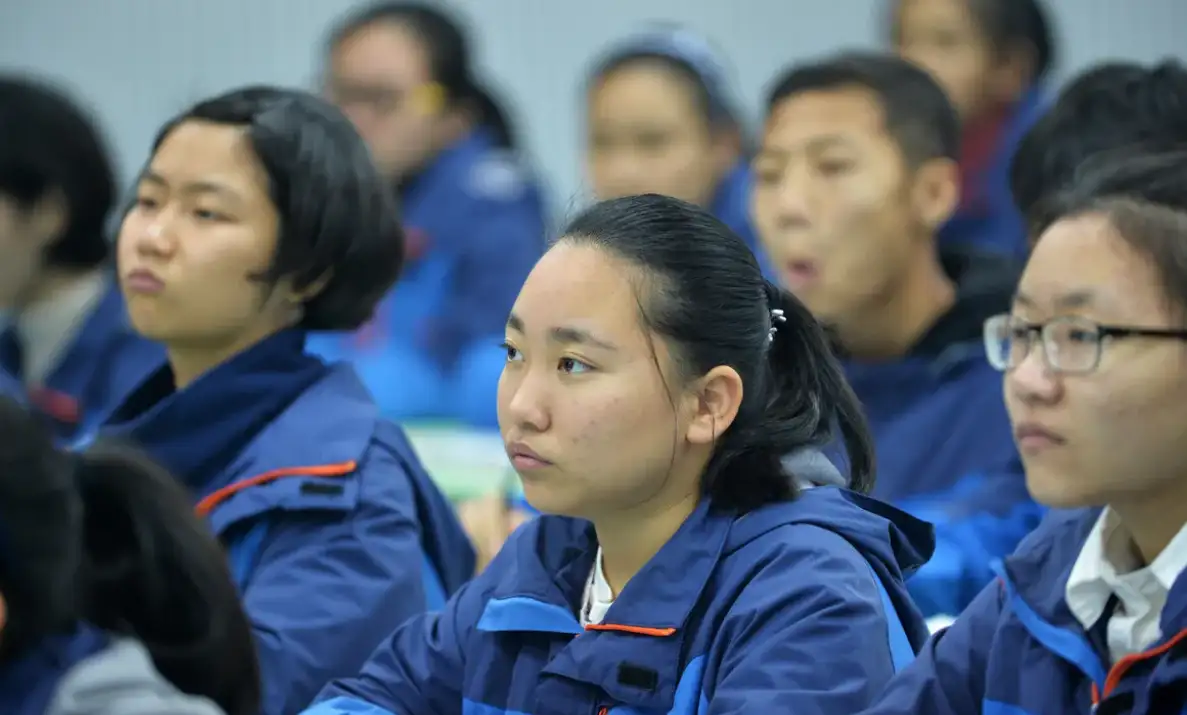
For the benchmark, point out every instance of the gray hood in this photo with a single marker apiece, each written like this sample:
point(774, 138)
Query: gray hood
point(121, 680)
point(811, 468)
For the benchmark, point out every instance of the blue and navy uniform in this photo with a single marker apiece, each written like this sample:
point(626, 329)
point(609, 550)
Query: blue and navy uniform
point(1018, 650)
point(104, 362)
point(789, 606)
point(29, 682)
point(988, 219)
point(945, 446)
point(335, 532)
point(475, 225)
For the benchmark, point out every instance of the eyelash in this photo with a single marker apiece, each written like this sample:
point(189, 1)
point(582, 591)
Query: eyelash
point(573, 361)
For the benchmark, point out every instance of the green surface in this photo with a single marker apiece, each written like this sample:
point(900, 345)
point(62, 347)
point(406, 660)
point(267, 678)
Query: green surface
point(465, 463)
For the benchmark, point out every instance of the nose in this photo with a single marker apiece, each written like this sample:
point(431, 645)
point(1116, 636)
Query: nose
point(526, 399)
point(1032, 381)
point(150, 236)
point(794, 198)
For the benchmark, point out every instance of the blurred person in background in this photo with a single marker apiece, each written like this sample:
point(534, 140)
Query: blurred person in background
point(114, 597)
point(1090, 614)
point(258, 217)
point(660, 118)
point(474, 214)
point(65, 344)
point(1108, 107)
point(856, 174)
point(991, 57)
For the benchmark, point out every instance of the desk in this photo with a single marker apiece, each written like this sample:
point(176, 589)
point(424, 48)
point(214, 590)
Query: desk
point(465, 463)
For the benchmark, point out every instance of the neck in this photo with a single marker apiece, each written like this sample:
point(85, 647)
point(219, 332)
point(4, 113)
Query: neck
point(630, 539)
point(1154, 520)
point(189, 361)
point(894, 323)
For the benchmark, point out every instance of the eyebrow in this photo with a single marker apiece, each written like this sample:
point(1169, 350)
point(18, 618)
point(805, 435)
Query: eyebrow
point(565, 335)
point(191, 187)
point(814, 144)
point(1067, 301)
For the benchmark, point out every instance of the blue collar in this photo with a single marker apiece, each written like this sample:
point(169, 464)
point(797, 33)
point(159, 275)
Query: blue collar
point(198, 432)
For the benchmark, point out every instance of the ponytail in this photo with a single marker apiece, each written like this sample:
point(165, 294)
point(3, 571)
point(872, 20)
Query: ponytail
point(151, 570)
point(806, 401)
point(490, 114)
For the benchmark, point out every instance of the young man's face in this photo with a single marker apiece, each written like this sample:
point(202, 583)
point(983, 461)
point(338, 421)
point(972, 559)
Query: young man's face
point(833, 201)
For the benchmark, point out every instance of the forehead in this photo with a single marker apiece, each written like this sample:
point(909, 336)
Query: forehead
point(846, 113)
point(198, 151)
point(1085, 254)
point(383, 51)
point(643, 89)
point(574, 283)
point(924, 14)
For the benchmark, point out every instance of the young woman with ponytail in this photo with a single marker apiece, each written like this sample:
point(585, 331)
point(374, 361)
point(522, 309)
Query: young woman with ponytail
point(653, 385)
point(114, 597)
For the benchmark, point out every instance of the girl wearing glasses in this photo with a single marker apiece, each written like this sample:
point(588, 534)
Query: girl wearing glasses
point(1095, 358)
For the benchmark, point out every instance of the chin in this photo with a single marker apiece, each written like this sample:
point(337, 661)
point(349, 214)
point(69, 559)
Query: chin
point(1060, 490)
point(548, 501)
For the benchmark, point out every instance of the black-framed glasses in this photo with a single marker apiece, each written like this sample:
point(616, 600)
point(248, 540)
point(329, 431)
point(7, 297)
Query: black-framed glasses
point(1071, 345)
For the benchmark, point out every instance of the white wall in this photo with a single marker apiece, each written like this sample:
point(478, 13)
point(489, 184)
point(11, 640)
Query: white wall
point(138, 61)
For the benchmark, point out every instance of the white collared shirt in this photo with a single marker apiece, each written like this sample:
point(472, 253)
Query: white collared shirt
point(1108, 566)
point(598, 595)
point(47, 329)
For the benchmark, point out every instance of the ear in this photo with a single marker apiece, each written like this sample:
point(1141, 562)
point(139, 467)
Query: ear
point(3, 613)
point(935, 192)
point(717, 397)
point(311, 291)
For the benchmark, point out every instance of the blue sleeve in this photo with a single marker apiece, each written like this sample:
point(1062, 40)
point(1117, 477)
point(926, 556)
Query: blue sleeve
point(948, 676)
point(980, 520)
point(805, 630)
point(507, 238)
point(326, 590)
point(420, 669)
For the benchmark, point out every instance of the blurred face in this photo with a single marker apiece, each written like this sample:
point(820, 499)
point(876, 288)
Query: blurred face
point(381, 78)
point(942, 37)
point(1115, 434)
point(581, 391)
point(25, 234)
point(647, 134)
point(833, 202)
point(202, 224)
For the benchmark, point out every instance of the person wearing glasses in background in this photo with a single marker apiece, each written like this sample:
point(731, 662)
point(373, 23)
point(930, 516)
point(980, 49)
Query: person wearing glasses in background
point(473, 212)
point(1090, 613)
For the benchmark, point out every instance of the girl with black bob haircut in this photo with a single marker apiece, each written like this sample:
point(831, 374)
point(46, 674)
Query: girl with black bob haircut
point(259, 217)
point(654, 382)
point(114, 598)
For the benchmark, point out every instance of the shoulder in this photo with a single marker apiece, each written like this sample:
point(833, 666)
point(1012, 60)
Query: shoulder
point(121, 680)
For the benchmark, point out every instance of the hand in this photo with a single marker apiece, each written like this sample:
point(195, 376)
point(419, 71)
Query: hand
point(488, 522)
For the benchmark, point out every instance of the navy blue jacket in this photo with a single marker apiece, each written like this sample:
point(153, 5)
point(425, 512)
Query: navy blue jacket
point(336, 534)
point(1018, 650)
point(789, 606)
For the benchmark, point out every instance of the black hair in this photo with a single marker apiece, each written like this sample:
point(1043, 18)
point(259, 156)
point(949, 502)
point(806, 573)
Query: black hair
point(1142, 191)
point(1009, 24)
point(109, 539)
point(684, 55)
point(917, 112)
point(1109, 106)
point(450, 58)
point(51, 145)
point(338, 220)
point(701, 290)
